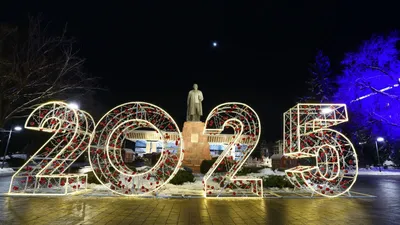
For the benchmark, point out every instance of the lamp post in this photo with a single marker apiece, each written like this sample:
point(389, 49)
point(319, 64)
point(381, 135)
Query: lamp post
point(17, 128)
point(379, 139)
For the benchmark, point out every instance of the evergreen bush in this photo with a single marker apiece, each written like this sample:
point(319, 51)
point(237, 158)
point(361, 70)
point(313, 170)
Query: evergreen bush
point(182, 176)
point(92, 179)
point(276, 181)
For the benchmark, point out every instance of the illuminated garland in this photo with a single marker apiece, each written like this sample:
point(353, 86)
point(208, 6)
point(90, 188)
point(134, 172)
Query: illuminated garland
point(221, 179)
point(110, 133)
point(306, 135)
point(44, 172)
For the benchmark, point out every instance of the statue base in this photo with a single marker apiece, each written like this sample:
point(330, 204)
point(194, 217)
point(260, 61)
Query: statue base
point(196, 145)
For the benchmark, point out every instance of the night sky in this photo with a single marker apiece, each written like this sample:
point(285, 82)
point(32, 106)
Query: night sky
point(154, 52)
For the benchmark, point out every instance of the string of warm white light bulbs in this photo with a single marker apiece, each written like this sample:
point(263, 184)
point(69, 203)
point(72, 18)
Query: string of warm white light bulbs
point(306, 134)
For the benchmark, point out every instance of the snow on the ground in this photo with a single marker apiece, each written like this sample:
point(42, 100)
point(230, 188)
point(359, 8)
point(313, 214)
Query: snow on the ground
point(17, 156)
point(266, 172)
point(389, 163)
point(361, 171)
point(375, 171)
point(187, 188)
point(196, 188)
point(85, 169)
point(285, 189)
point(142, 169)
point(6, 171)
point(98, 187)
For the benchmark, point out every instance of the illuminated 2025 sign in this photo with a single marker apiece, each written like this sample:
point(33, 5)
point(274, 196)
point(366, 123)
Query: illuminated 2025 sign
point(74, 133)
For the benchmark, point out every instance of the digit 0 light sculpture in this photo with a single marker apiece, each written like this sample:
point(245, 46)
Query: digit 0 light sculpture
point(307, 135)
point(105, 151)
point(44, 172)
point(221, 179)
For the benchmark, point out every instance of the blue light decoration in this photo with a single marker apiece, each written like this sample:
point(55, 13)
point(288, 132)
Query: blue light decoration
point(369, 84)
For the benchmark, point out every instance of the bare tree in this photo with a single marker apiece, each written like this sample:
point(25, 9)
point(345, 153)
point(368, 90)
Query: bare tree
point(320, 84)
point(36, 67)
point(370, 84)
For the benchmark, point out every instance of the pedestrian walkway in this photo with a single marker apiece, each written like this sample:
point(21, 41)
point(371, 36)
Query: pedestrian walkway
point(122, 210)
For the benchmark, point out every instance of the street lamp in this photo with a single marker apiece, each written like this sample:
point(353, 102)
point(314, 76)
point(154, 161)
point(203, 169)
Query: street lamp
point(379, 139)
point(16, 128)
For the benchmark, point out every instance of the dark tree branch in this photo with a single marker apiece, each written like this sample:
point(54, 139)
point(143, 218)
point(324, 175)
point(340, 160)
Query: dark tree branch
point(36, 68)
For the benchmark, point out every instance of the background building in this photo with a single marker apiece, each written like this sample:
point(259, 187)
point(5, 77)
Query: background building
point(279, 161)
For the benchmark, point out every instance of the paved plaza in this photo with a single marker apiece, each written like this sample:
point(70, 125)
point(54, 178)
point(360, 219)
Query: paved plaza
point(121, 210)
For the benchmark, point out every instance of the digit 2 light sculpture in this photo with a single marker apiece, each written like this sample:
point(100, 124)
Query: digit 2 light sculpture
point(307, 135)
point(221, 179)
point(44, 172)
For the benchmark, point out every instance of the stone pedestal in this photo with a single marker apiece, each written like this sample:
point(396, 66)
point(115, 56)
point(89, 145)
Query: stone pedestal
point(195, 144)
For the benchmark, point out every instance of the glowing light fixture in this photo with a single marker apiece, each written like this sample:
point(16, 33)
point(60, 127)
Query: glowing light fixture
point(73, 105)
point(380, 139)
point(326, 110)
point(18, 128)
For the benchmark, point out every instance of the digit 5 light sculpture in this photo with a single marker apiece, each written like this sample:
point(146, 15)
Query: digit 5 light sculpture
point(106, 146)
point(307, 135)
point(44, 172)
point(221, 179)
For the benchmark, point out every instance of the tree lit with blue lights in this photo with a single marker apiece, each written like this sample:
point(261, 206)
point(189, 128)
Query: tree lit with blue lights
point(369, 84)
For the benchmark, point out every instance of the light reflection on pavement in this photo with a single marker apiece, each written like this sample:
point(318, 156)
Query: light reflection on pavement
point(384, 209)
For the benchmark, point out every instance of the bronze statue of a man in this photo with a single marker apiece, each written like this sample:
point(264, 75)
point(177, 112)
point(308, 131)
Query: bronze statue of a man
point(194, 107)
